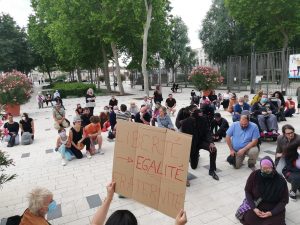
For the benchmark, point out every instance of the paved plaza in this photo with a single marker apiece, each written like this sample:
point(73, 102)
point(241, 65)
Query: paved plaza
point(79, 187)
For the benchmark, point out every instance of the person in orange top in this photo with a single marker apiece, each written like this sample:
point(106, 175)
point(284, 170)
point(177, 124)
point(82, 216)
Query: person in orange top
point(289, 107)
point(93, 131)
point(40, 203)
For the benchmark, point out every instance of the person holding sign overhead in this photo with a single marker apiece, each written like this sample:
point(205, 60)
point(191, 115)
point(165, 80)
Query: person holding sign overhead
point(123, 217)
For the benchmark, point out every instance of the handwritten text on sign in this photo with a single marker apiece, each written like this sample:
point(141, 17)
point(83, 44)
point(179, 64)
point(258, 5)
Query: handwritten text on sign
point(150, 165)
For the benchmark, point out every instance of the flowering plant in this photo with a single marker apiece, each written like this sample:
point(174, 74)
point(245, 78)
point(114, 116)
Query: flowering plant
point(205, 78)
point(15, 88)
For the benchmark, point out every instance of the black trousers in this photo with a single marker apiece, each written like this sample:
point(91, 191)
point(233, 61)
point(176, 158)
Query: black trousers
point(194, 156)
point(78, 153)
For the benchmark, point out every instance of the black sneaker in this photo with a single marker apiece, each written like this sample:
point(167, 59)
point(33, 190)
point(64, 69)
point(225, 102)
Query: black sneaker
point(293, 195)
point(214, 175)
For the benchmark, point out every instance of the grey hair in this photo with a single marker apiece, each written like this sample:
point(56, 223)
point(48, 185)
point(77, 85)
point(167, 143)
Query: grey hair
point(37, 199)
point(90, 91)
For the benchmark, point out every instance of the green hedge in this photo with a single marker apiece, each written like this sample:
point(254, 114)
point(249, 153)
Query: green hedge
point(73, 89)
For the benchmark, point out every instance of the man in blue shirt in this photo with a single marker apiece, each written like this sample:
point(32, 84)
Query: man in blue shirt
point(241, 137)
point(238, 108)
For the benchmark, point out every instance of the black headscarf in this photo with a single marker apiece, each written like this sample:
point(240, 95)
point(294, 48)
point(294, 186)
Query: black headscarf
point(270, 188)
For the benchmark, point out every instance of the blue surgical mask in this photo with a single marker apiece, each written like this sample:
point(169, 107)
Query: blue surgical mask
point(264, 100)
point(52, 206)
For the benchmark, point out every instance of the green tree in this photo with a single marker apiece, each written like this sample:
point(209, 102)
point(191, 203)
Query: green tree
point(275, 23)
point(221, 36)
point(177, 50)
point(15, 51)
point(45, 56)
point(4, 163)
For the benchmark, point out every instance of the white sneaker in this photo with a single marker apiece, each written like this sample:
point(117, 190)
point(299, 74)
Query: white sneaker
point(101, 151)
point(88, 155)
point(63, 162)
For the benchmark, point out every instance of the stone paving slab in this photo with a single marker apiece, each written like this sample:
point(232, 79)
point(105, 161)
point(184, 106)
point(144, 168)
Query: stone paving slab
point(207, 201)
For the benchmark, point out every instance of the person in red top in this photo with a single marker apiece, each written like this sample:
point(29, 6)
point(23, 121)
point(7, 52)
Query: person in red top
point(289, 107)
point(93, 131)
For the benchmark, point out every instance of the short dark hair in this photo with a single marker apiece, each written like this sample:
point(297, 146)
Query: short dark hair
point(287, 126)
point(122, 217)
point(217, 115)
point(95, 119)
point(123, 107)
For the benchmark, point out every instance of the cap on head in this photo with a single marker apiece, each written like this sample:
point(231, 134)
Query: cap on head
point(76, 118)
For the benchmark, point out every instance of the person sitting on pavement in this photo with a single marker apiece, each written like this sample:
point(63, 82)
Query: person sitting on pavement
point(27, 129)
point(13, 131)
point(195, 99)
point(155, 114)
point(78, 110)
point(123, 114)
point(40, 98)
point(122, 217)
point(93, 131)
point(113, 102)
point(219, 126)
point(78, 140)
point(174, 87)
point(157, 95)
point(143, 116)
point(265, 110)
point(242, 138)
point(291, 171)
point(246, 99)
point(85, 117)
point(48, 98)
point(232, 102)
point(113, 117)
point(40, 203)
point(288, 137)
point(290, 107)
point(257, 97)
point(146, 101)
point(225, 102)
point(163, 119)
point(238, 108)
point(171, 105)
point(59, 117)
point(63, 145)
point(266, 195)
point(184, 113)
point(104, 119)
point(56, 95)
point(197, 126)
point(133, 109)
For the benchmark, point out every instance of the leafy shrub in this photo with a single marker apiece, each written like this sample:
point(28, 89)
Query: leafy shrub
point(15, 88)
point(72, 89)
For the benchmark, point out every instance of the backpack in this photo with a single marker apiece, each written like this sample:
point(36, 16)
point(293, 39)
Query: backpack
point(14, 220)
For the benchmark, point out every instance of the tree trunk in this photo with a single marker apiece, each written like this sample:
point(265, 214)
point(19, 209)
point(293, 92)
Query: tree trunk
point(118, 72)
point(97, 77)
point(79, 75)
point(285, 80)
point(145, 46)
point(106, 70)
point(49, 75)
point(91, 75)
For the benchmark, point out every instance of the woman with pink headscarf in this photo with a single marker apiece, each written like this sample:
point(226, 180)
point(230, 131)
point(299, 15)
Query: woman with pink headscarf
point(266, 196)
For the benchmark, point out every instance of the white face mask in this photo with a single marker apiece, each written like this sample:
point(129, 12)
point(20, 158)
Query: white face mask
point(240, 103)
point(298, 150)
point(116, 111)
point(23, 118)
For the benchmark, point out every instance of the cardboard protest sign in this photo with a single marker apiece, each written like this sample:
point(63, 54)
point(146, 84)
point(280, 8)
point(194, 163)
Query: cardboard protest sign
point(151, 165)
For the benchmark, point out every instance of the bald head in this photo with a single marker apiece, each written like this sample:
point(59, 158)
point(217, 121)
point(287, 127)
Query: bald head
point(244, 121)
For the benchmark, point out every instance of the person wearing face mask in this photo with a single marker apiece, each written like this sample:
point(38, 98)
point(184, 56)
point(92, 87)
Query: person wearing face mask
point(133, 109)
point(63, 146)
point(40, 203)
point(241, 138)
point(238, 108)
point(265, 111)
point(27, 128)
point(266, 195)
point(291, 171)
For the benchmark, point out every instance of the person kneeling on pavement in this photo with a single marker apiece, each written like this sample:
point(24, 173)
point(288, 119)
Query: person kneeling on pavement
point(93, 131)
point(219, 126)
point(241, 137)
point(197, 125)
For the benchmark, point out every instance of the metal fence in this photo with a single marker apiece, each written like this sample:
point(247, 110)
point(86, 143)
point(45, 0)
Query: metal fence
point(266, 71)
